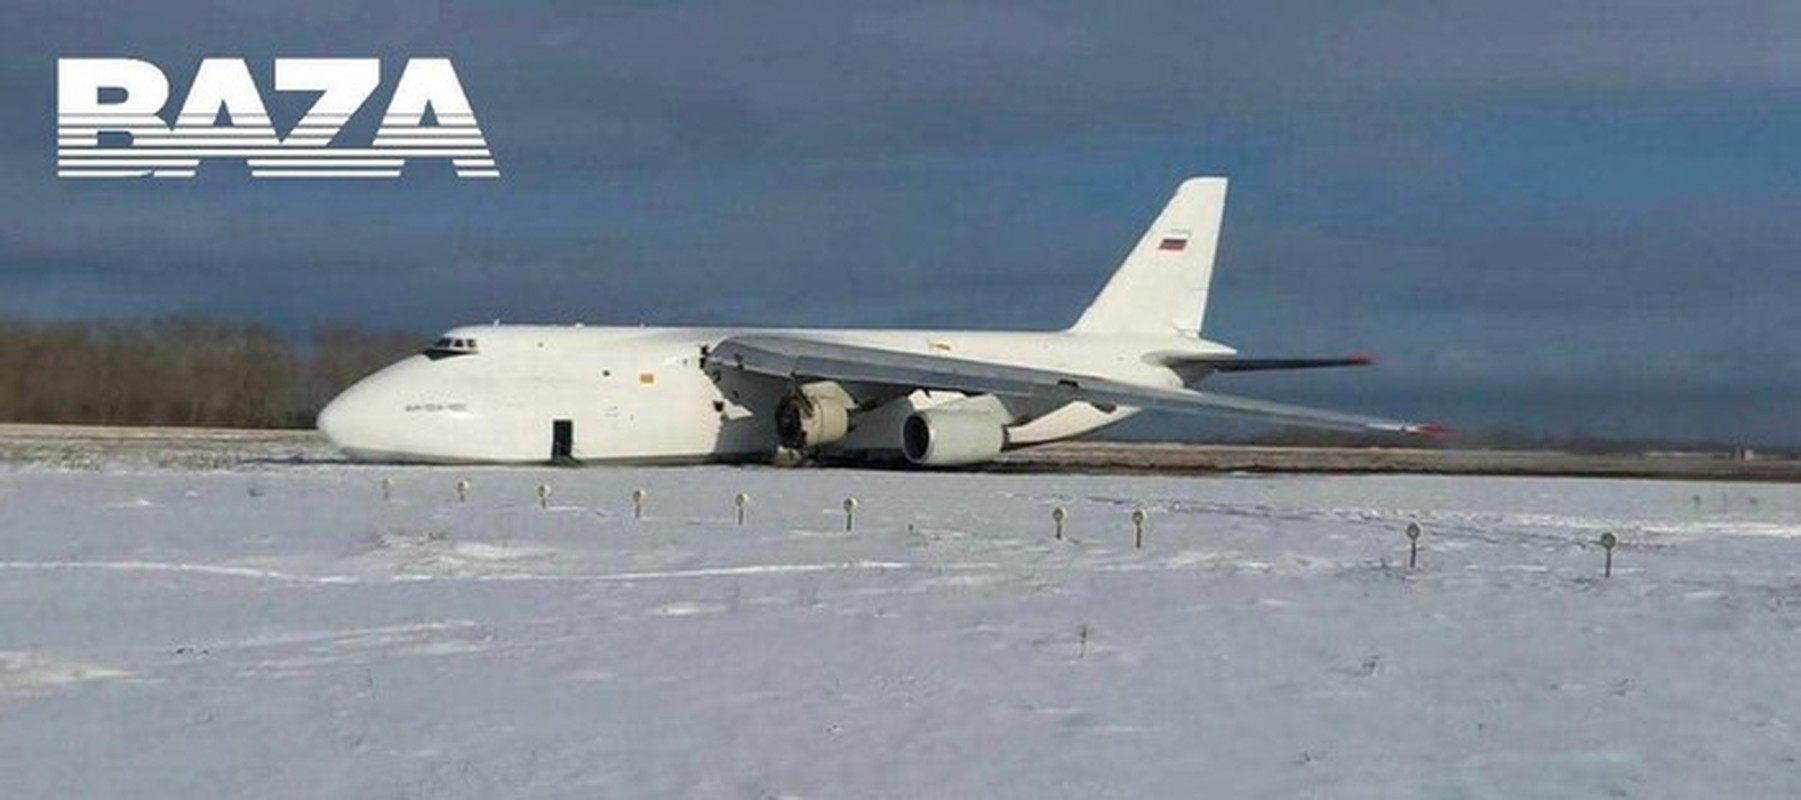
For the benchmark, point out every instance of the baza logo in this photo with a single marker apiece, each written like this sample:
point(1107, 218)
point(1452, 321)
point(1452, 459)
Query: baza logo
point(122, 98)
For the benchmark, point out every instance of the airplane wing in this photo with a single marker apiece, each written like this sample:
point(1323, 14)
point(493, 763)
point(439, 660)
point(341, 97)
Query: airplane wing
point(1234, 364)
point(797, 357)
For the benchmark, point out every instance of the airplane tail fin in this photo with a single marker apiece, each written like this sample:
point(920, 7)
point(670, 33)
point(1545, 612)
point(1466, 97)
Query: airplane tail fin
point(1161, 287)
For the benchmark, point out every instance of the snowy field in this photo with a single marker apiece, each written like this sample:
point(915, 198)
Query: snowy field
point(284, 631)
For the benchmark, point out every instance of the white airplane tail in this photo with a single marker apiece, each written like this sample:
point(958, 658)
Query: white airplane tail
point(1161, 287)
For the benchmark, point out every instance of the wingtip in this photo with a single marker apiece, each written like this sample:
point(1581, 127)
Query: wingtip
point(1360, 359)
point(1429, 431)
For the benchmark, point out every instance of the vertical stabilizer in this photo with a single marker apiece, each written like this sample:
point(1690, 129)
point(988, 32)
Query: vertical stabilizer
point(1161, 288)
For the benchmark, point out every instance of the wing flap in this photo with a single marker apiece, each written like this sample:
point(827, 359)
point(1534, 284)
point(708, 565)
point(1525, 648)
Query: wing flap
point(796, 357)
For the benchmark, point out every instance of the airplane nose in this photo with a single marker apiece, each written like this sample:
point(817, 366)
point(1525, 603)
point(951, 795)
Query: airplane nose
point(352, 420)
point(368, 422)
point(338, 420)
point(331, 420)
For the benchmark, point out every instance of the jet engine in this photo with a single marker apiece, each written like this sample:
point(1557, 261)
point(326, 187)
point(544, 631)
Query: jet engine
point(952, 436)
point(805, 420)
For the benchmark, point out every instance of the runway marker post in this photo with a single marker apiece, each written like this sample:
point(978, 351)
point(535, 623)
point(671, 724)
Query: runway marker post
point(1413, 545)
point(638, 503)
point(850, 514)
point(1608, 542)
point(741, 501)
point(1057, 516)
point(1138, 518)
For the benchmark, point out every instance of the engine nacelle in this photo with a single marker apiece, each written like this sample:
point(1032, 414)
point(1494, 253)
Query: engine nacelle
point(805, 421)
point(949, 437)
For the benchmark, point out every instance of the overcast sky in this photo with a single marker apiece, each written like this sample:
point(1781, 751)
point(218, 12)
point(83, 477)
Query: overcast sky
point(1551, 215)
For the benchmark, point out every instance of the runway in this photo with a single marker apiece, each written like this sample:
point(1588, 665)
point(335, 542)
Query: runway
point(1202, 458)
point(80, 447)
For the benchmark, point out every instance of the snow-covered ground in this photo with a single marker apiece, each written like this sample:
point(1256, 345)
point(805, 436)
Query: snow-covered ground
point(284, 631)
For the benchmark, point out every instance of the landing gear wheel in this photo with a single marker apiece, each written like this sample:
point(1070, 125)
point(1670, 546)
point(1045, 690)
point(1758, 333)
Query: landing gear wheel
point(788, 457)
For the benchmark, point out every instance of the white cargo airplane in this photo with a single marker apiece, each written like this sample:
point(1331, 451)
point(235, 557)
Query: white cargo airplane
point(531, 394)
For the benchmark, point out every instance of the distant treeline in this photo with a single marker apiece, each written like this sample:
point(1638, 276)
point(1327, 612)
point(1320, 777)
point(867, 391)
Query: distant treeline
point(181, 371)
point(211, 373)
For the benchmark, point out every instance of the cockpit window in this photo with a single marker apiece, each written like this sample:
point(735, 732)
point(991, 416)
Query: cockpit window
point(448, 346)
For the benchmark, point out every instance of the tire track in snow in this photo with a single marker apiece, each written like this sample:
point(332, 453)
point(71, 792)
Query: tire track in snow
point(167, 566)
point(220, 570)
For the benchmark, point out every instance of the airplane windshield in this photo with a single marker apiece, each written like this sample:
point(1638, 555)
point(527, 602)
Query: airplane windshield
point(448, 346)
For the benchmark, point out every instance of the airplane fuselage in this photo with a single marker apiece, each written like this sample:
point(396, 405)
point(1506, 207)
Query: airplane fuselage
point(534, 393)
point(528, 393)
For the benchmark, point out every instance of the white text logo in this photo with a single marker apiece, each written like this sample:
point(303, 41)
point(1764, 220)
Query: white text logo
point(109, 122)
